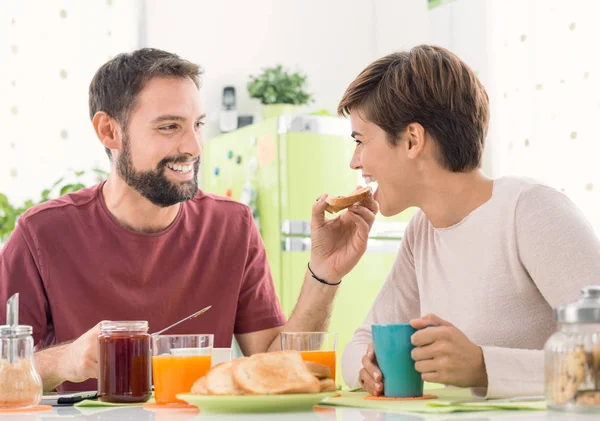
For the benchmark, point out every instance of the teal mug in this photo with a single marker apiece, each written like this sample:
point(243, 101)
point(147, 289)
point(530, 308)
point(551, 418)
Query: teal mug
point(392, 350)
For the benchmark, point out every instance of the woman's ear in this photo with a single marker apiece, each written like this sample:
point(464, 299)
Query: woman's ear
point(415, 140)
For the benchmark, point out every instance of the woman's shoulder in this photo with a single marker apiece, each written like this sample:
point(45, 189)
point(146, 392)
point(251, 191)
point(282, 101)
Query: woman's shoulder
point(532, 195)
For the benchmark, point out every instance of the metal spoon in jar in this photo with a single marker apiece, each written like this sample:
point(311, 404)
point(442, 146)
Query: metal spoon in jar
point(191, 316)
point(12, 320)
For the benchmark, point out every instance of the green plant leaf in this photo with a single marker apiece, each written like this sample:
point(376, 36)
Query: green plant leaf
point(45, 195)
point(275, 85)
point(65, 189)
point(57, 182)
point(70, 188)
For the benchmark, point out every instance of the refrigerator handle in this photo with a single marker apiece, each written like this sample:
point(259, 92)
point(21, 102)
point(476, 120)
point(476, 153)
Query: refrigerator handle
point(295, 244)
point(380, 229)
point(289, 227)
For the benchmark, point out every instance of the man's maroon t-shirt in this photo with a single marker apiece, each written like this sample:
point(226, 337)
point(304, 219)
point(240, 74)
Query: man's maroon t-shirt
point(74, 265)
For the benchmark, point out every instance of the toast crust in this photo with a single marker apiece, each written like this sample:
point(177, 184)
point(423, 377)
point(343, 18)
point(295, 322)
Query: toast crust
point(199, 387)
point(327, 385)
point(275, 373)
point(269, 373)
point(219, 380)
point(320, 371)
point(336, 204)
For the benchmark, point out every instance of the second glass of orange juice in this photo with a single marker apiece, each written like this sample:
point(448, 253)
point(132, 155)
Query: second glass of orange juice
point(318, 347)
point(177, 362)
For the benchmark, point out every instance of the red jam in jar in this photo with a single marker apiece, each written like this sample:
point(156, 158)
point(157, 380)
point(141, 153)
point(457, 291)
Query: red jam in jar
point(124, 362)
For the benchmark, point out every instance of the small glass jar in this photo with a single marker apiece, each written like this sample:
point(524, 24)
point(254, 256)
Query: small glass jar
point(20, 384)
point(124, 362)
point(573, 356)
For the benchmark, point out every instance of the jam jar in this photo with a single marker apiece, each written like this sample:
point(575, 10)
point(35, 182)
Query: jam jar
point(124, 362)
point(572, 356)
point(20, 384)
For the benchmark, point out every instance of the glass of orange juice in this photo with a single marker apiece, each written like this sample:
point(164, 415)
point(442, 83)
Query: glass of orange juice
point(177, 362)
point(318, 347)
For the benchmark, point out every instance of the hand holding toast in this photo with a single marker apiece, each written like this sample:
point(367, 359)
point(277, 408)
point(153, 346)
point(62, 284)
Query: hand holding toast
point(339, 243)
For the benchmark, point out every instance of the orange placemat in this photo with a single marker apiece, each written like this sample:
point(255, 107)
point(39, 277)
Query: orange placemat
point(385, 398)
point(176, 406)
point(38, 408)
point(326, 412)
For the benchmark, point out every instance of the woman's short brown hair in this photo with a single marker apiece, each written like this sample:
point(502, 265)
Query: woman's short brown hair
point(431, 86)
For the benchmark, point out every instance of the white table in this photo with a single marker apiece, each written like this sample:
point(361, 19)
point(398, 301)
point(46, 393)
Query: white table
point(329, 414)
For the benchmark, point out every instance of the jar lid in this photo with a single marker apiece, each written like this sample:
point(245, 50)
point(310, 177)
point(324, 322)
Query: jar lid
point(124, 326)
point(19, 330)
point(584, 310)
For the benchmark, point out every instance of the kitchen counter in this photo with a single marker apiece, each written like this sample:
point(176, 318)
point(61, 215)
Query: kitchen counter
point(321, 414)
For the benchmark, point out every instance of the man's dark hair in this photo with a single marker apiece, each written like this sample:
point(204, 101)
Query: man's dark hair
point(116, 85)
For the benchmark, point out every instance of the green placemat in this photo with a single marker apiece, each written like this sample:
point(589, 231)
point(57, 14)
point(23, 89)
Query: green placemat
point(449, 400)
point(528, 405)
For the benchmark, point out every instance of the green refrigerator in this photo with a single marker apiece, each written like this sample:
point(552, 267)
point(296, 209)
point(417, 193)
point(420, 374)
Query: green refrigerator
point(279, 167)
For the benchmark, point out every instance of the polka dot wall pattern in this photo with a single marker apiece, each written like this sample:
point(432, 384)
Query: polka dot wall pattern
point(49, 56)
point(546, 96)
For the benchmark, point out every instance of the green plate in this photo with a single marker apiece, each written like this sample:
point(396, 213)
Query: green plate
point(256, 403)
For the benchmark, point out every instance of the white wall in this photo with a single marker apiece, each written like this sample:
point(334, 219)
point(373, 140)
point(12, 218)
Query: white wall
point(49, 52)
point(330, 40)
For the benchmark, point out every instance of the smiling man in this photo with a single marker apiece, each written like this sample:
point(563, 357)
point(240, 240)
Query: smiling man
point(148, 245)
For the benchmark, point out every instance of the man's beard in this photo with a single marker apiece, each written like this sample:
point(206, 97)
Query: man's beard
point(153, 184)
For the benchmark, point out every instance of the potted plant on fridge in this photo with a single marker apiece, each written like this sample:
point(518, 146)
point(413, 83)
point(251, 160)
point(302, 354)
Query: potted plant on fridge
point(279, 91)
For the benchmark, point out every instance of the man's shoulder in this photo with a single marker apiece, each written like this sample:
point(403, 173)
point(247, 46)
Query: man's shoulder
point(61, 207)
point(220, 205)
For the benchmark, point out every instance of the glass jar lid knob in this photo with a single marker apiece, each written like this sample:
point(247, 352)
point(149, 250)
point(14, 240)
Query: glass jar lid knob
point(584, 310)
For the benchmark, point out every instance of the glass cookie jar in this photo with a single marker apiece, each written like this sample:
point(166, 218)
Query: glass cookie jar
point(572, 356)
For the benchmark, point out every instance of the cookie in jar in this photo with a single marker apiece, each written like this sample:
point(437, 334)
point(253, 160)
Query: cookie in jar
point(572, 356)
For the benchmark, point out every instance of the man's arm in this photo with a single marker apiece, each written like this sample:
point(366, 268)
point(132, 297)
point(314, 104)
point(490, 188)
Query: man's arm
point(21, 272)
point(311, 314)
point(46, 363)
point(74, 361)
point(337, 246)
